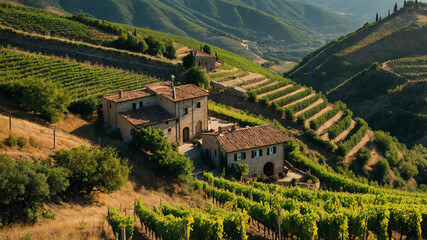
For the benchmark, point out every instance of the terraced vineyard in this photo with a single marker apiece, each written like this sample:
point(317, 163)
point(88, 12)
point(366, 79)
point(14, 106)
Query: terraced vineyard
point(410, 68)
point(290, 211)
point(78, 80)
point(43, 22)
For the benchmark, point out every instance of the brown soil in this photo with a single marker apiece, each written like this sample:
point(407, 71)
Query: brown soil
point(290, 94)
point(345, 133)
point(322, 129)
point(299, 100)
point(329, 107)
point(253, 85)
point(275, 90)
point(367, 138)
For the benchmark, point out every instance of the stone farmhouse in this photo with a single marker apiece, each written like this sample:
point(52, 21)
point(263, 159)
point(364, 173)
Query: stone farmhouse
point(180, 111)
point(204, 60)
point(262, 148)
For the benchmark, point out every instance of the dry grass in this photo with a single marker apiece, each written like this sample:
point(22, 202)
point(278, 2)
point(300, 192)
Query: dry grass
point(41, 137)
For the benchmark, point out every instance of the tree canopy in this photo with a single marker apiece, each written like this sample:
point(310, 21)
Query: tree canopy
point(197, 76)
point(99, 169)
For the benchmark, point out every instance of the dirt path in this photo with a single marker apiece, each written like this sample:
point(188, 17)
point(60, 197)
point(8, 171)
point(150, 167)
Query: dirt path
point(299, 100)
point(327, 108)
point(289, 94)
point(319, 101)
point(254, 85)
point(275, 90)
point(362, 143)
point(345, 133)
point(329, 123)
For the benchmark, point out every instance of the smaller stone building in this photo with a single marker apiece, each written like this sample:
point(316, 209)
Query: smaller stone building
point(262, 148)
point(204, 60)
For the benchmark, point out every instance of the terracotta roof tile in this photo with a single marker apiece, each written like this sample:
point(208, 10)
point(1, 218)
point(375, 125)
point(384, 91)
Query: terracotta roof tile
point(252, 137)
point(183, 92)
point(147, 116)
point(129, 95)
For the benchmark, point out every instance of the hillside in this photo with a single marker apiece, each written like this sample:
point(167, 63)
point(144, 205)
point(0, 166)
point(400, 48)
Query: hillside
point(360, 11)
point(221, 23)
point(360, 70)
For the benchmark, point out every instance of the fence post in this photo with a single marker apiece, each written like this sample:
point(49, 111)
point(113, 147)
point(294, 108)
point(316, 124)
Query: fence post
point(123, 235)
point(54, 137)
point(10, 119)
point(278, 223)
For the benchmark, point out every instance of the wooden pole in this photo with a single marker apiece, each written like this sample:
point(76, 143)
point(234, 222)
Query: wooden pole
point(123, 235)
point(54, 137)
point(10, 119)
point(279, 232)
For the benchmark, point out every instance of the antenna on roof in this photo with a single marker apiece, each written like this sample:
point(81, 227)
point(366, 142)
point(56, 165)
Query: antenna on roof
point(173, 86)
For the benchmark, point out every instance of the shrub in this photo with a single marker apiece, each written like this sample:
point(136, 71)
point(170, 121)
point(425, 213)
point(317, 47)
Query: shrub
point(188, 61)
point(155, 46)
point(363, 156)
point(274, 106)
point(168, 161)
point(252, 97)
point(85, 106)
point(11, 141)
point(207, 49)
point(381, 172)
point(43, 96)
point(197, 76)
point(170, 51)
point(131, 43)
point(236, 171)
point(21, 142)
point(290, 115)
point(264, 102)
point(97, 169)
point(28, 185)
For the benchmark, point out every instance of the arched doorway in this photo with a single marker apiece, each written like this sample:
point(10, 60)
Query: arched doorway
point(269, 169)
point(199, 127)
point(186, 134)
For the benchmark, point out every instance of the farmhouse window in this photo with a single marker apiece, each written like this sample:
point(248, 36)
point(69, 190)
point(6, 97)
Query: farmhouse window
point(199, 105)
point(185, 111)
point(239, 156)
point(271, 150)
point(215, 153)
point(133, 106)
point(109, 103)
point(169, 130)
point(140, 104)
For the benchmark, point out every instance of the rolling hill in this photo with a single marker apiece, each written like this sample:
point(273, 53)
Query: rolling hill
point(218, 22)
point(365, 70)
point(361, 11)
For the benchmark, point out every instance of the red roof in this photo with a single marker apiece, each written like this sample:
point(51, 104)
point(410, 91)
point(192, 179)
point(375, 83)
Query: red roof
point(251, 137)
point(147, 116)
point(183, 92)
point(201, 54)
point(129, 95)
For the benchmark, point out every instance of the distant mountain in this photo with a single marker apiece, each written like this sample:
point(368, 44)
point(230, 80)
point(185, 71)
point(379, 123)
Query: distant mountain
point(360, 10)
point(219, 22)
point(380, 71)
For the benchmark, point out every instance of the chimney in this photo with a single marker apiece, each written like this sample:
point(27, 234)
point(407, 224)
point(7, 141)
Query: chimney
point(174, 92)
point(220, 129)
point(120, 93)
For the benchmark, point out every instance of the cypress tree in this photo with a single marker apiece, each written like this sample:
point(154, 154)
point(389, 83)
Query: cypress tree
point(381, 18)
point(395, 7)
point(404, 3)
point(389, 12)
point(376, 18)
